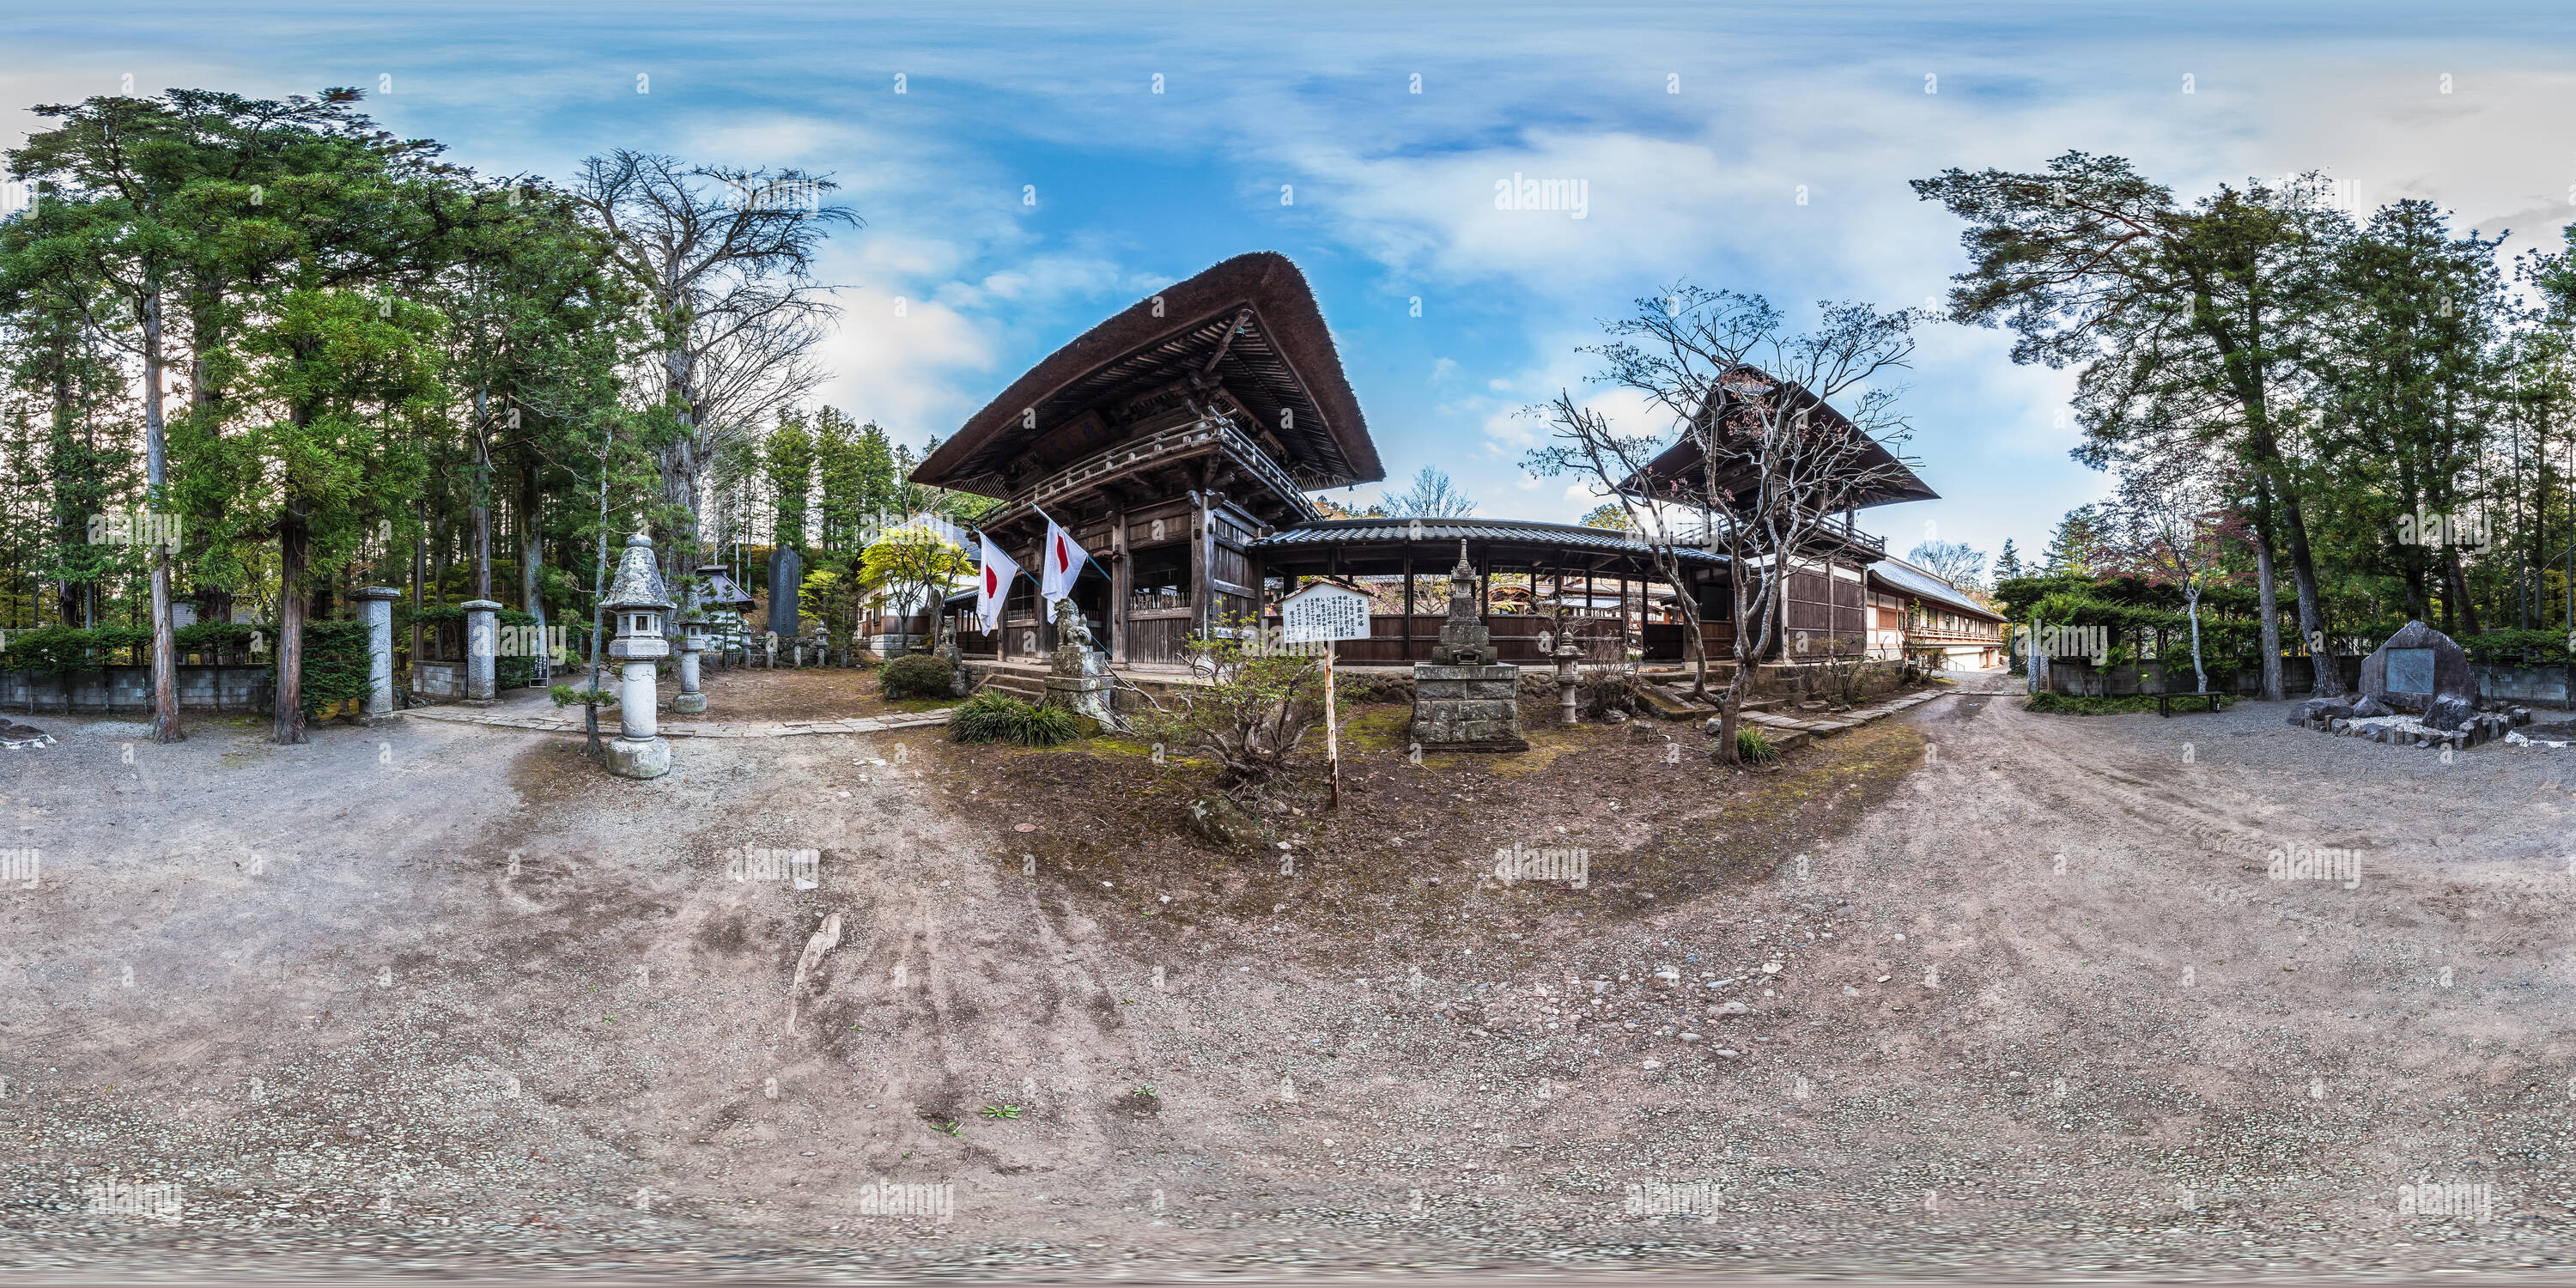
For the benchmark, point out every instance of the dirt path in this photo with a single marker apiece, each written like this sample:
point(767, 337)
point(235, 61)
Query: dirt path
point(439, 994)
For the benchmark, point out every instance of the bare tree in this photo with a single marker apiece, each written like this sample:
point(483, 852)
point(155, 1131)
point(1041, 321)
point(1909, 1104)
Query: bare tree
point(723, 257)
point(2168, 524)
point(1775, 463)
point(1432, 496)
point(1955, 562)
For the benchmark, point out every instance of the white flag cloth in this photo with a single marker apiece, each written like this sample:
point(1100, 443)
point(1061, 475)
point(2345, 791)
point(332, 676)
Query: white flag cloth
point(995, 585)
point(1060, 564)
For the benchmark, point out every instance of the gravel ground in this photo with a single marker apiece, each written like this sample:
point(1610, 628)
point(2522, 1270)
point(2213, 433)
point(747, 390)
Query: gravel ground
point(438, 998)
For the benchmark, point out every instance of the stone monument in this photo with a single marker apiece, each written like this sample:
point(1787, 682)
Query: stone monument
point(482, 652)
point(1078, 671)
point(376, 605)
point(637, 605)
point(1463, 700)
point(2420, 670)
point(786, 579)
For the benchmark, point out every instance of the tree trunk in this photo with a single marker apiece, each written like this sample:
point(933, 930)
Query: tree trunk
point(156, 454)
point(2312, 618)
point(292, 537)
point(2267, 598)
point(481, 516)
point(2460, 589)
point(2191, 604)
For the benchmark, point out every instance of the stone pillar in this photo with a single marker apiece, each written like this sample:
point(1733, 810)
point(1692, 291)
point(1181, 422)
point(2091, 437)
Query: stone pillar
point(636, 700)
point(482, 647)
point(1567, 654)
point(689, 701)
point(376, 607)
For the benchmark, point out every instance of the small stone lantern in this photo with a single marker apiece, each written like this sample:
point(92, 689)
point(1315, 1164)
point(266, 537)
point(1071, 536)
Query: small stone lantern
point(693, 639)
point(638, 605)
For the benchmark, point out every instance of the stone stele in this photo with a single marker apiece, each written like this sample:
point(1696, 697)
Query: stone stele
point(1463, 700)
point(2418, 670)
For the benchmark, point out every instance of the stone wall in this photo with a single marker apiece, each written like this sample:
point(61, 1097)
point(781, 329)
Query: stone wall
point(439, 681)
point(129, 688)
point(2549, 685)
point(2079, 677)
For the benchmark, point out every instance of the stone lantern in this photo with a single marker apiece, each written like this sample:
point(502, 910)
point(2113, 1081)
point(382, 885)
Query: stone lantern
point(693, 640)
point(638, 605)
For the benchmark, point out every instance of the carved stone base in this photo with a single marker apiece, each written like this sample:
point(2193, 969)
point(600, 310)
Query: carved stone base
point(1084, 695)
point(648, 758)
point(688, 704)
point(1467, 708)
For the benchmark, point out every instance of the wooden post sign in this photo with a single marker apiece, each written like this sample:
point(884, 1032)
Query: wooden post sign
point(1321, 614)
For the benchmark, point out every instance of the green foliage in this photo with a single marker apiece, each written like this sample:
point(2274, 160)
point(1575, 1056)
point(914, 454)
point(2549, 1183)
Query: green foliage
point(335, 664)
point(994, 716)
point(59, 649)
point(565, 695)
point(788, 460)
point(1752, 747)
point(2071, 704)
point(1255, 709)
point(916, 675)
point(2516, 645)
point(914, 560)
point(214, 637)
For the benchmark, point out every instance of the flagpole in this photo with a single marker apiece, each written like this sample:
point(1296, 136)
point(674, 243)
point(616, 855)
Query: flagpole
point(1086, 555)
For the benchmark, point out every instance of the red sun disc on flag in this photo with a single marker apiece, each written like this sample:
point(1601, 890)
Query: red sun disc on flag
point(992, 580)
point(1061, 561)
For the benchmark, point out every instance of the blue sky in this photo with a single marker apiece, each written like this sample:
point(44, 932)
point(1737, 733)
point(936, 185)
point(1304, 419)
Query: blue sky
point(1695, 128)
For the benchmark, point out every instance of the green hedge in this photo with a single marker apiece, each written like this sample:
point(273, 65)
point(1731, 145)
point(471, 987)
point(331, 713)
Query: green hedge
point(61, 649)
point(335, 663)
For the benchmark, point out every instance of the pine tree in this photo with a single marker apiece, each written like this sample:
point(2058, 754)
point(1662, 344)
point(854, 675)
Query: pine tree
point(2008, 564)
point(2076, 546)
point(789, 458)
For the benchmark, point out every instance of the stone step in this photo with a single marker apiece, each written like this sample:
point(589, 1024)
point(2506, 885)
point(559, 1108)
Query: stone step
point(1019, 686)
point(1667, 705)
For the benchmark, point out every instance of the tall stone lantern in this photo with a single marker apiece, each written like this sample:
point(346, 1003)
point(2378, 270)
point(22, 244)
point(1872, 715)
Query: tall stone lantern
point(638, 605)
point(690, 700)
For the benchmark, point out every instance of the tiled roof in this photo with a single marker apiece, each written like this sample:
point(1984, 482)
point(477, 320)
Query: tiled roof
point(1914, 581)
point(1570, 536)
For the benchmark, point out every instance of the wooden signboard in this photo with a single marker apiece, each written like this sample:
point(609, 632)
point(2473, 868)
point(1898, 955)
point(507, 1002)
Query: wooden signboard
point(1320, 614)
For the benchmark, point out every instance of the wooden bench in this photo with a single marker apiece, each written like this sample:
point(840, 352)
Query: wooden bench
point(2165, 701)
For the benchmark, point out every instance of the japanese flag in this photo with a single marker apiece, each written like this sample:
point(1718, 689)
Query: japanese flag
point(1000, 570)
point(1062, 562)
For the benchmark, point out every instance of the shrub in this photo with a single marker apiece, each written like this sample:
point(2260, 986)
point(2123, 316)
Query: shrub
point(916, 675)
point(335, 664)
point(213, 637)
point(1256, 707)
point(995, 716)
point(1752, 748)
